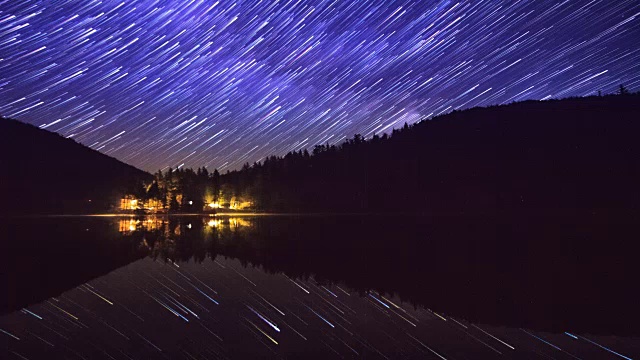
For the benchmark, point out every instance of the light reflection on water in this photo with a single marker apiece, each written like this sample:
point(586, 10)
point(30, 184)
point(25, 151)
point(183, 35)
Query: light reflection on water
point(195, 294)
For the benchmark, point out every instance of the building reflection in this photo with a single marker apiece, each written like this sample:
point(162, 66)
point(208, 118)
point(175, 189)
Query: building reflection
point(128, 225)
point(183, 238)
point(228, 222)
point(154, 223)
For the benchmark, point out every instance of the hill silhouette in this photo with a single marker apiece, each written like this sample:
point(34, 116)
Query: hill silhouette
point(575, 155)
point(45, 173)
point(569, 156)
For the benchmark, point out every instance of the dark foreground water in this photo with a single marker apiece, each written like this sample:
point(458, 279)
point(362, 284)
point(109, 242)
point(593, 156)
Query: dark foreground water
point(319, 287)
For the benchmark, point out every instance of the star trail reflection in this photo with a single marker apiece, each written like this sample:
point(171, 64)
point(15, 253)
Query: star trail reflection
point(229, 291)
point(141, 325)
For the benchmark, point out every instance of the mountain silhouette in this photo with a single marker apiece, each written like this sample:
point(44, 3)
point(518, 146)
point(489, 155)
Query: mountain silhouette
point(45, 173)
point(569, 156)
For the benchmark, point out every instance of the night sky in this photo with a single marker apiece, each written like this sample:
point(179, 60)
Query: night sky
point(221, 83)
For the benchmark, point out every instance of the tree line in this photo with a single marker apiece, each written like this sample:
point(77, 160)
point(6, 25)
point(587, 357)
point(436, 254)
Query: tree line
point(526, 155)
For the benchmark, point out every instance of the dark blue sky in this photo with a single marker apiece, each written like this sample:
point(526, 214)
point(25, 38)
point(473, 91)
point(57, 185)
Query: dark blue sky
point(220, 83)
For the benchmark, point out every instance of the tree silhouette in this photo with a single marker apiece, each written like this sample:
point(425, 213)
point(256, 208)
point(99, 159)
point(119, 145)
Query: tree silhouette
point(623, 90)
point(479, 161)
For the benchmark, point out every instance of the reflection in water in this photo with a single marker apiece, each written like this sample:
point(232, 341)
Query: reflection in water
point(329, 286)
point(128, 225)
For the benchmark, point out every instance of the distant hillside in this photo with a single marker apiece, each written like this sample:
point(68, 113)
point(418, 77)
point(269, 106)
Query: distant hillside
point(576, 155)
point(45, 173)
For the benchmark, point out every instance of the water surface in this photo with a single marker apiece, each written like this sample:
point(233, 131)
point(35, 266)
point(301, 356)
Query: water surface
point(331, 286)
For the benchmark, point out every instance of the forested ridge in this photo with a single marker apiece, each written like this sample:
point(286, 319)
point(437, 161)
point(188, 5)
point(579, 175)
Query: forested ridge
point(570, 155)
point(576, 154)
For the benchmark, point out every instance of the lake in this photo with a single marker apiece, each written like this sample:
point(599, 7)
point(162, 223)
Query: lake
point(319, 286)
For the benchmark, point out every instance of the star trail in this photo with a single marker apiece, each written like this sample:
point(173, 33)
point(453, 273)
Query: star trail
point(221, 83)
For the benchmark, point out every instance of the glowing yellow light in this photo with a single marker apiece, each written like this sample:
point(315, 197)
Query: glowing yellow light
point(213, 223)
point(214, 205)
